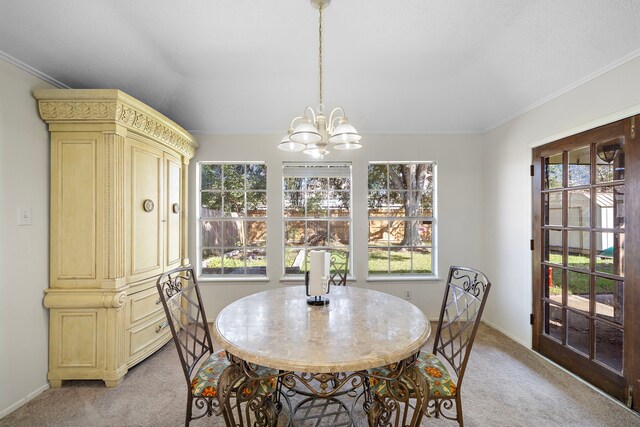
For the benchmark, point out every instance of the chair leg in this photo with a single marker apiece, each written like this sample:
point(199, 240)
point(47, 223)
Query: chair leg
point(189, 409)
point(459, 410)
point(436, 406)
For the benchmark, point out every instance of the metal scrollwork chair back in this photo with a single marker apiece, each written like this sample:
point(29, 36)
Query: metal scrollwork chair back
point(182, 303)
point(215, 383)
point(339, 267)
point(427, 382)
point(465, 296)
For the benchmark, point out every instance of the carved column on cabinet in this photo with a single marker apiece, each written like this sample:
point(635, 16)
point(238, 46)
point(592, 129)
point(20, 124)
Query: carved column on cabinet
point(185, 211)
point(114, 256)
point(114, 146)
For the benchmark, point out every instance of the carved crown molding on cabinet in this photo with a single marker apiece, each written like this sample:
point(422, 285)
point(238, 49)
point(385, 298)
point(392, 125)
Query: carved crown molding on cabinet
point(112, 106)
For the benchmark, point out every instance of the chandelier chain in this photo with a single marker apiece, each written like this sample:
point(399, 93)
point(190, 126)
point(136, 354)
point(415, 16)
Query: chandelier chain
point(320, 52)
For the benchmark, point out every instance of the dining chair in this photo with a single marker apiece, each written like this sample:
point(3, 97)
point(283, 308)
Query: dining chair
point(183, 306)
point(464, 299)
point(338, 267)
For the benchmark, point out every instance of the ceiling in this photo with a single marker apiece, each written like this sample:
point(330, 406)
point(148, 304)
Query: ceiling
point(396, 66)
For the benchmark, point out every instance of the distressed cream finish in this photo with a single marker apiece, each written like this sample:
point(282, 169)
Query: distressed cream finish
point(110, 153)
point(359, 329)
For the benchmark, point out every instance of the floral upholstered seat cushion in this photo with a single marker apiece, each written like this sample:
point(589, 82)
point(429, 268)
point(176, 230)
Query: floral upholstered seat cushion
point(205, 381)
point(440, 383)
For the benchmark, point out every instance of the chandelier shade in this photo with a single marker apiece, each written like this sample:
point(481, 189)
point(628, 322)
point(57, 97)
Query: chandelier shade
point(286, 144)
point(311, 133)
point(347, 146)
point(344, 133)
point(316, 150)
point(305, 133)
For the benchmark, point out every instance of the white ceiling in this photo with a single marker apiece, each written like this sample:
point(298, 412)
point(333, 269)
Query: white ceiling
point(396, 66)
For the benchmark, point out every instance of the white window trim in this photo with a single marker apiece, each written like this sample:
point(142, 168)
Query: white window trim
point(288, 278)
point(409, 277)
point(220, 278)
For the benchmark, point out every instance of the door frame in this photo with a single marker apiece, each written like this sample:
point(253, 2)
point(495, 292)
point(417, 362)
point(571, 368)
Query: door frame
point(625, 387)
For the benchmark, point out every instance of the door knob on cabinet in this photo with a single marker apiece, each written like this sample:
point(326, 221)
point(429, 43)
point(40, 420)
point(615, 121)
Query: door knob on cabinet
point(147, 205)
point(175, 208)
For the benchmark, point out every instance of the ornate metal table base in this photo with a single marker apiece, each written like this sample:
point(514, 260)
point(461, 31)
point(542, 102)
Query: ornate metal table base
point(322, 411)
point(245, 400)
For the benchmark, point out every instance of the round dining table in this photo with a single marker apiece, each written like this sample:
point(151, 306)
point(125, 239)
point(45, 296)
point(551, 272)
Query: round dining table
point(331, 344)
point(359, 329)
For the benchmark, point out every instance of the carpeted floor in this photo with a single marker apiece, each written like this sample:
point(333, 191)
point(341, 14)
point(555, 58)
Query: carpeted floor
point(505, 385)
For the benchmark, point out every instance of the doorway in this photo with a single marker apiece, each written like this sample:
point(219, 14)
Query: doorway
point(586, 265)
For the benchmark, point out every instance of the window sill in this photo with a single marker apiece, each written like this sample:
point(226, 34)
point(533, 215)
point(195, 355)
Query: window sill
point(397, 278)
point(243, 279)
point(287, 280)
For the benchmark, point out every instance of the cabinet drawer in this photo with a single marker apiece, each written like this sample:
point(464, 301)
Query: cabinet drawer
point(144, 304)
point(143, 285)
point(147, 335)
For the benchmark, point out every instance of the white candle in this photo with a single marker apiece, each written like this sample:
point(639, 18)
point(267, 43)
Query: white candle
point(318, 272)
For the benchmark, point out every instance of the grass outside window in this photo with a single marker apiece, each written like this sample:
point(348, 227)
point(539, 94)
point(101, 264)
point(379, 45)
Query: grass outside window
point(580, 281)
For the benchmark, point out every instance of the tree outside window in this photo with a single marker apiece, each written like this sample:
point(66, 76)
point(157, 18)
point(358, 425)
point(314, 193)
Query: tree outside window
point(401, 218)
point(233, 213)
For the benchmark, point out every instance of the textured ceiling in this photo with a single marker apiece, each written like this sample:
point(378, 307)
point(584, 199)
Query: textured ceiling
point(396, 66)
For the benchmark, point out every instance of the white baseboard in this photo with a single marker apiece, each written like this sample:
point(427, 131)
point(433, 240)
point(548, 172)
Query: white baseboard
point(23, 401)
point(516, 339)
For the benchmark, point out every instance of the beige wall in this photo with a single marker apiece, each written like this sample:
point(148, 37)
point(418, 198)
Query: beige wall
point(507, 185)
point(459, 206)
point(24, 252)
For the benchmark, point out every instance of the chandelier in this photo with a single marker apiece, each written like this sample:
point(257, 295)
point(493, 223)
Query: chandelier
point(311, 133)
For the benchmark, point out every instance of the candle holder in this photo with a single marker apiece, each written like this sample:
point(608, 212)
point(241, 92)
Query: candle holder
point(317, 300)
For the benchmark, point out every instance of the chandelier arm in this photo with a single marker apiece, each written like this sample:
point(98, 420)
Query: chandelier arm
point(313, 114)
point(332, 118)
point(292, 123)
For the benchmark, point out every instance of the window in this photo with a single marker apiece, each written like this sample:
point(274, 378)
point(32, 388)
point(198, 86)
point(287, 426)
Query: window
point(233, 213)
point(316, 211)
point(401, 218)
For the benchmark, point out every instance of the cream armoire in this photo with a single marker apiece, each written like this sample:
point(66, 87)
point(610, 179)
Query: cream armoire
point(118, 220)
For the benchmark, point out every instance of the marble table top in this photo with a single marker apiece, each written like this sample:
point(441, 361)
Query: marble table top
point(359, 329)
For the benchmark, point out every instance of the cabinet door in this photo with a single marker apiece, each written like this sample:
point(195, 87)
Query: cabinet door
point(146, 211)
point(75, 199)
point(173, 209)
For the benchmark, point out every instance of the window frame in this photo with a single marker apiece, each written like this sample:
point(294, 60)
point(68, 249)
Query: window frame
point(395, 275)
point(285, 276)
point(222, 276)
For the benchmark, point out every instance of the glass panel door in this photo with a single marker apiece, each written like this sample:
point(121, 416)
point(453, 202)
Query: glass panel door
point(581, 228)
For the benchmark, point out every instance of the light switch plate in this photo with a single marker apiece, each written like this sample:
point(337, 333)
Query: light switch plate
point(24, 216)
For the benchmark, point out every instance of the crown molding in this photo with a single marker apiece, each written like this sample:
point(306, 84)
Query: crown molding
point(630, 57)
point(33, 71)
